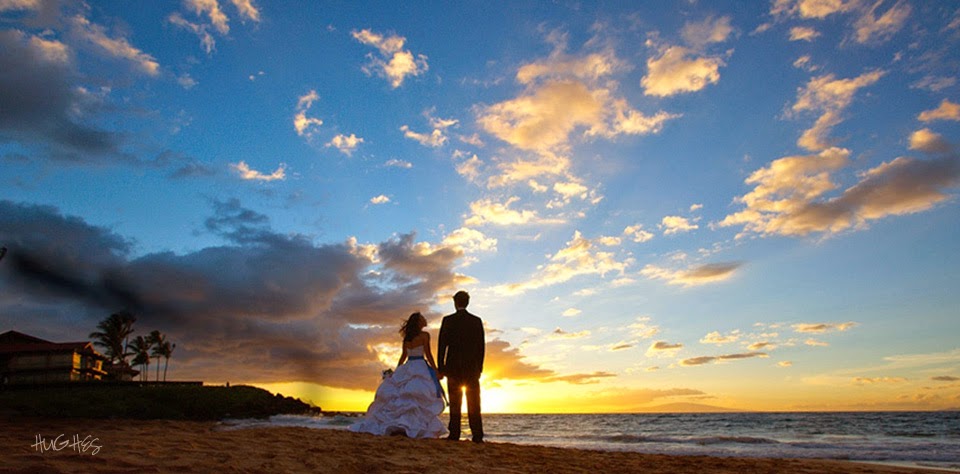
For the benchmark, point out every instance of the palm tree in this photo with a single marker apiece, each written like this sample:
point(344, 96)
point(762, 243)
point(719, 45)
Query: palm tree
point(113, 334)
point(158, 339)
point(166, 350)
point(141, 354)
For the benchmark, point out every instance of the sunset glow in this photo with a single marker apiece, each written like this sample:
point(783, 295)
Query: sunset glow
point(655, 206)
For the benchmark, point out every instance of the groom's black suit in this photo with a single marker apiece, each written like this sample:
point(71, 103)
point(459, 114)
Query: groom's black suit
point(460, 358)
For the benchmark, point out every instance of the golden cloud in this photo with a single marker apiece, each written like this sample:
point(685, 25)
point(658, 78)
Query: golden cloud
point(249, 174)
point(946, 111)
point(579, 257)
point(821, 328)
point(788, 197)
point(677, 71)
point(828, 96)
point(700, 275)
point(115, 47)
point(721, 358)
point(394, 63)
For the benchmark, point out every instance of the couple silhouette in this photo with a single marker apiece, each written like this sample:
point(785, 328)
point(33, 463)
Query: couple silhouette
point(409, 400)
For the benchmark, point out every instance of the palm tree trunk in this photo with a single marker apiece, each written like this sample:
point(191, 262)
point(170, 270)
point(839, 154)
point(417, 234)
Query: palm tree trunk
point(158, 369)
point(165, 363)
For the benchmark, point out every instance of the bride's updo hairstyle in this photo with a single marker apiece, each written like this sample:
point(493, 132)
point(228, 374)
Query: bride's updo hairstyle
point(411, 327)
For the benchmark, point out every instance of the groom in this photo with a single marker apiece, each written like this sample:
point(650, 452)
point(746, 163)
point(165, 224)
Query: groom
point(460, 358)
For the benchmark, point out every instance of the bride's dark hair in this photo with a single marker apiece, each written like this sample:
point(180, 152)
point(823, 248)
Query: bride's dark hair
point(411, 327)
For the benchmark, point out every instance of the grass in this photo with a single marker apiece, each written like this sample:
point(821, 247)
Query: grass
point(186, 402)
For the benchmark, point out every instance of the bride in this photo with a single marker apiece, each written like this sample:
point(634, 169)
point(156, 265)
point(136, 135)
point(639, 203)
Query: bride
point(408, 402)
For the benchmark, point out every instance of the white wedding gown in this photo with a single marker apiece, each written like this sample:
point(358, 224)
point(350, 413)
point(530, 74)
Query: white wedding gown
point(406, 402)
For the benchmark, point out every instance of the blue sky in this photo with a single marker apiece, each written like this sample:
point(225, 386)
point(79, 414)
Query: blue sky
point(654, 203)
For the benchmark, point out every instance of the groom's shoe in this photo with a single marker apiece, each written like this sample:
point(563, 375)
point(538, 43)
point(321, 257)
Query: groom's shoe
point(452, 438)
point(478, 440)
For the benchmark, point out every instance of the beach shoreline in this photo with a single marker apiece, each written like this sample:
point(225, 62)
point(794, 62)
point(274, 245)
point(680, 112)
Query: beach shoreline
point(100, 446)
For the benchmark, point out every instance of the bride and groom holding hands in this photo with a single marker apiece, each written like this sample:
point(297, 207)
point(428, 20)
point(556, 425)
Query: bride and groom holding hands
point(410, 400)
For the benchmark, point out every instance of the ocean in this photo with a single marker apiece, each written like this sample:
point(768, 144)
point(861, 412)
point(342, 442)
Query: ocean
point(927, 439)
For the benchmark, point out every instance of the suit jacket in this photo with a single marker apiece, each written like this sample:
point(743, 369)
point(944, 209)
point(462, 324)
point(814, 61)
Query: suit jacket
point(460, 349)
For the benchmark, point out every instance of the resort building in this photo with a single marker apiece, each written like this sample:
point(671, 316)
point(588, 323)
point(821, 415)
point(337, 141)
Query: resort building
point(26, 359)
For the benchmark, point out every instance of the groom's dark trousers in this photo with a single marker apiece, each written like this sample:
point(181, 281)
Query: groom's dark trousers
point(455, 388)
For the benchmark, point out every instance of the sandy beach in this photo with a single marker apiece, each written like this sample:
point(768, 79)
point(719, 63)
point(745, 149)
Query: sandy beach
point(115, 446)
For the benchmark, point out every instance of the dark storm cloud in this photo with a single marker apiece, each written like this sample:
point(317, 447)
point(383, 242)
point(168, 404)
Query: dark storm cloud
point(266, 307)
point(38, 103)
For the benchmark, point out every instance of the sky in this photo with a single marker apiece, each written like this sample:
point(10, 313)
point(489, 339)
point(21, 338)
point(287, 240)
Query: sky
point(744, 204)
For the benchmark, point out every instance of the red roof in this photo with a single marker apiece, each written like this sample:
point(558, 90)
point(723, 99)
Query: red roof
point(13, 341)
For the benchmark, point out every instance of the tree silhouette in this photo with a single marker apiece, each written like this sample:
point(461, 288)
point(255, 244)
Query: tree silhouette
point(113, 335)
point(157, 339)
point(166, 350)
point(141, 355)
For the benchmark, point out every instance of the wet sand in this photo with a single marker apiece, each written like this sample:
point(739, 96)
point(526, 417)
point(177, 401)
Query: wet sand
point(121, 446)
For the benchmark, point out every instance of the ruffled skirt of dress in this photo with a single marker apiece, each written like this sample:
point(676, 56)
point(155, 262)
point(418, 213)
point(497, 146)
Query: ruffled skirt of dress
point(405, 403)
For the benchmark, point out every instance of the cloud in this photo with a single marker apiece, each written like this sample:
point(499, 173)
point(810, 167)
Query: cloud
point(700, 275)
point(261, 307)
point(397, 163)
point(186, 81)
point(821, 328)
point(663, 349)
point(804, 62)
point(945, 378)
point(543, 118)
point(946, 111)
point(878, 380)
point(346, 144)
point(561, 334)
point(470, 168)
point(470, 240)
point(803, 33)
point(927, 141)
point(579, 257)
point(676, 224)
point(637, 234)
point(580, 379)
point(434, 139)
point(677, 71)
point(829, 97)
point(694, 361)
point(114, 47)
point(871, 28)
point(818, 9)
point(710, 30)
point(246, 173)
point(934, 83)
point(487, 211)
point(785, 363)
point(247, 9)
point(394, 63)
point(39, 106)
point(719, 339)
point(381, 199)
point(756, 346)
point(642, 330)
point(212, 9)
point(588, 68)
point(306, 126)
point(571, 312)
point(503, 362)
point(815, 343)
point(789, 195)
point(207, 41)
